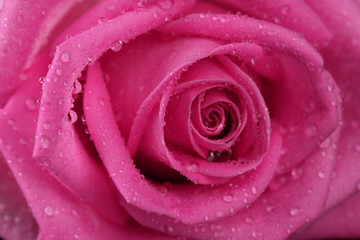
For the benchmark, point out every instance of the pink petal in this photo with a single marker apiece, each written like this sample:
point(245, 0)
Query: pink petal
point(274, 215)
point(168, 199)
point(16, 220)
point(340, 222)
point(342, 59)
point(301, 95)
point(292, 14)
point(60, 144)
point(58, 212)
point(25, 28)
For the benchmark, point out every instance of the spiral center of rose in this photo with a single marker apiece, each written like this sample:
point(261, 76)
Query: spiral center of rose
point(217, 120)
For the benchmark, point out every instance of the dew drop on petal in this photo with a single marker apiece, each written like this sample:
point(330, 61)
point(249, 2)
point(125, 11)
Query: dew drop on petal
point(65, 57)
point(296, 173)
point(254, 190)
point(11, 122)
point(41, 80)
point(228, 197)
point(165, 4)
point(294, 211)
point(47, 125)
point(77, 87)
point(285, 10)
point(192, 167)
point(49, 210)
point(30, 104)
point(321, 174)
point(72, 116)
point(116, 46)
point(22, 141)
point(58, 71)
point(44, 141)
point(218, 214)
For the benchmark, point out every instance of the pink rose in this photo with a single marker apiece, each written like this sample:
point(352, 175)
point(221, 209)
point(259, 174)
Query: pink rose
point(164, 118)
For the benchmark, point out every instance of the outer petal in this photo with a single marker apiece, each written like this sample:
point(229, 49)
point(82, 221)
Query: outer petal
point(341, 222)
point(342, 58)
point(176, 201)
point(59, 145)
point(59, 213)
point(24, 28)
point(16, 220)
point(275, 215)
point(134, 97)
point(302, 98)
point(292, 14)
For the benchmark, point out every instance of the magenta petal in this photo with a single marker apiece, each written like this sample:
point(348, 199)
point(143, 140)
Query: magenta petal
point(340, 222)
point(69, 160)
point(292, 14)
point(24, 29)
point(149, 196)
point(342, 59)
point(16, 221)
point(302, 78)
point(57, 211)
point(274, 215)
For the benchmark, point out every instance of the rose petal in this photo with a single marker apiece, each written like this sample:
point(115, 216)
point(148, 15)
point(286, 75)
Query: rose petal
point(16, 220)
point(292, 14)
point(168, 200)
point(342, 59)
point(340, 222)
point(57, 211)
point(274, 215)
point(121, 68)
point(25, 28)
point(302, 76)
point(69, 161)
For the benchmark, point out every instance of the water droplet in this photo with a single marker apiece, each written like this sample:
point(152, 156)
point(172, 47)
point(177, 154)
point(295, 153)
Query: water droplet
point(11, 122)
point(41, 80)
point(72, 116)
point(22, 141)
point(285, 10)
point(65, 57)
point(116, 46)
point(165, 4)
point(261, 26)
point(102, 102)
point(47, 125)
point(321, 174)
point(77, 87)
point(254, 190)
point(49, 210)
point(294, 211)
point(192, 167)
point(228, 197)
point(44, 141)
point(110, 7)
point(296, 173)
point(330, 87)
point(30, 104)
point(269, 208)
point(218, 214)
point(101, 20)
point(58, 71)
